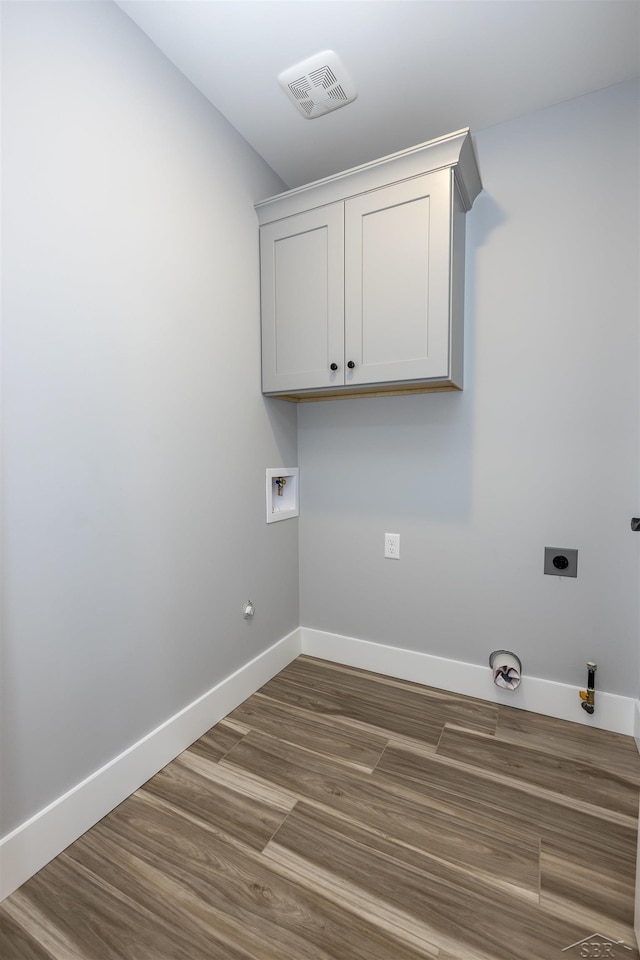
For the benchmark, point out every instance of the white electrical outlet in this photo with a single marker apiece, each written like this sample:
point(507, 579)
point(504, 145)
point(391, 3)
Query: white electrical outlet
point(392, 546)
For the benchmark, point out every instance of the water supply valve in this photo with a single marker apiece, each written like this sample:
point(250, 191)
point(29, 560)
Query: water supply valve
point(588, 696)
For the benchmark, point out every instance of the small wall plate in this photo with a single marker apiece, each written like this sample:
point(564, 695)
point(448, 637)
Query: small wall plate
point(560, 562)
point(282, 493)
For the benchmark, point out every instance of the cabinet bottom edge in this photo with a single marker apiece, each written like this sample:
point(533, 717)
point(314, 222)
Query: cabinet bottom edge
point(366, 391)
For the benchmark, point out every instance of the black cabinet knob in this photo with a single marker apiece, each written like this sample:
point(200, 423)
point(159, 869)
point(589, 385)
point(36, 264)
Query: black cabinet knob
point(333, 366)
point(351, 364)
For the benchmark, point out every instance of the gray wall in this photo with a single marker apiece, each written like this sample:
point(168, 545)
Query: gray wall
point(540, 449)
point(135, 434)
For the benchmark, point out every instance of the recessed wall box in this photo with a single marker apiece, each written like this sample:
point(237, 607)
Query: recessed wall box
point(282, 493)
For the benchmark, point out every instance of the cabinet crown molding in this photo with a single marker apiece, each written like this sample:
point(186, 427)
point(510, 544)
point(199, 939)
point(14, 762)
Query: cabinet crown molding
point(454, 151)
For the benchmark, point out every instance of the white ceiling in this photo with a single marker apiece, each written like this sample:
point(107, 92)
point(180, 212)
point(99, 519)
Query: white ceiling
point(423, 68)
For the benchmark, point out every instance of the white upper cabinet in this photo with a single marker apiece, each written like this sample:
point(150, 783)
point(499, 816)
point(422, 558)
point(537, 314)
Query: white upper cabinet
point(362, 277)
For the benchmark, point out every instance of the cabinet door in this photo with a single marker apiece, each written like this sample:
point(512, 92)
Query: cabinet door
point(397, 281)
point(302, 285)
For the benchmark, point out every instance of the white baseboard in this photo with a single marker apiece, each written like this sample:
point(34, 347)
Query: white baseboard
point(41, 838)
point(553, 699)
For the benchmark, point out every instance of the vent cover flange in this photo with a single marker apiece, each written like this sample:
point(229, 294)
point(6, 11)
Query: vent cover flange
point(318, 85)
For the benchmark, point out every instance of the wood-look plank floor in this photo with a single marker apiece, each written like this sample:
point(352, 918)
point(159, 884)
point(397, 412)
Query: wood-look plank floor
point(340, 815)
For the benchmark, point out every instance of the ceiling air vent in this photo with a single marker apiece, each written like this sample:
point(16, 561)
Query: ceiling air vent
point(318, 85)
